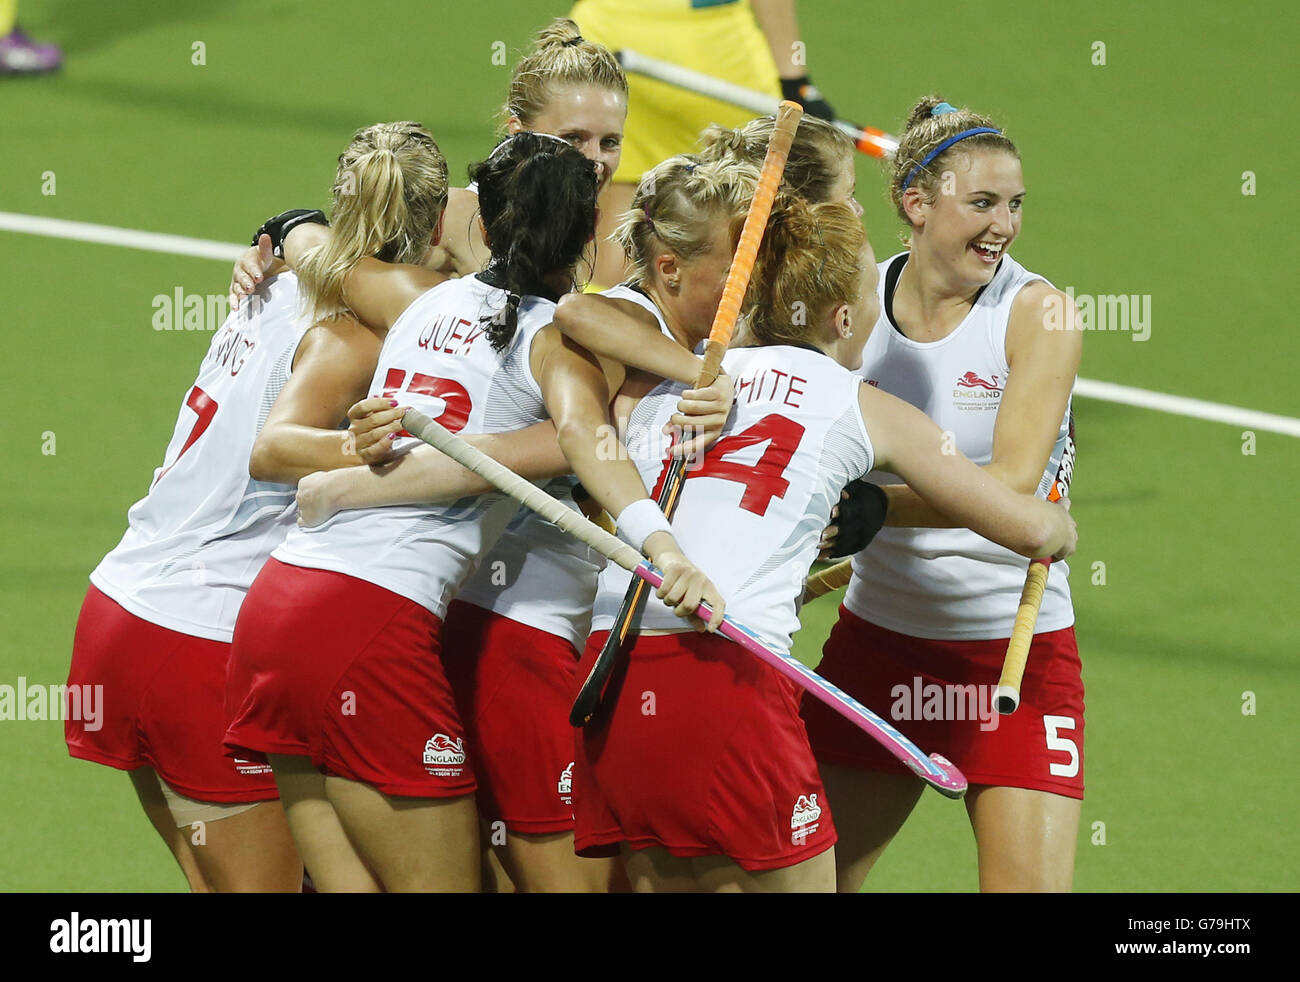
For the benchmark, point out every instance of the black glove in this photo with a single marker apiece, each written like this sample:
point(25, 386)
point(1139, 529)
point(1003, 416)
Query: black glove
point(802, 91)
point(279, 226)
point(862, 515)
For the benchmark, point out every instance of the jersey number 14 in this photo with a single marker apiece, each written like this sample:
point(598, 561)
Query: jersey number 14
point(765, 479)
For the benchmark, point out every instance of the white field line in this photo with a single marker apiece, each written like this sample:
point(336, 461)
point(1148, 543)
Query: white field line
point(1215, 412)
point(180, 245)
point(176, 245)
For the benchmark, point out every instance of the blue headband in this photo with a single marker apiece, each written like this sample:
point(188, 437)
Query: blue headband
point(929, 157)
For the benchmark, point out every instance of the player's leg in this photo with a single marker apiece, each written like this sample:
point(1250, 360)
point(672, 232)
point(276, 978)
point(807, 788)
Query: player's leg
point(513, 685)
point(412, 844)
point(317, 832)
point(1026, 835)
point(870, 808)
point(149, 790)
point(1026, 839)
point(655, 870)
point(491, 867)
point(717, 874)
point(547, 864)
point(251, 851)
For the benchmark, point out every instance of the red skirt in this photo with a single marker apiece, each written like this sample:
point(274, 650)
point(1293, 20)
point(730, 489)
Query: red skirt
point(939, 694)
point(703, 754)
point(342, 671)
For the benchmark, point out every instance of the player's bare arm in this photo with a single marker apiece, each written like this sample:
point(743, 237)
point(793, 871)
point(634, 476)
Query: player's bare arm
point(425, 476)
point(1044, 359)
point(628, 333)
point(301, 432)
point(577, 389)
point(911, 445)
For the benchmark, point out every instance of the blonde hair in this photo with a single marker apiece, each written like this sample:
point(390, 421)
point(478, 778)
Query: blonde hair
point(808, 263)
point(677, 205)
point(389, 192)
point(922, 133)
point(818, 152)
point(560, 56)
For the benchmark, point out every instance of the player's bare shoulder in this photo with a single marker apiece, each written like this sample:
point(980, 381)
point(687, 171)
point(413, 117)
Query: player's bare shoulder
point(461, 251)
point(1043, 320)
point(1039, 304)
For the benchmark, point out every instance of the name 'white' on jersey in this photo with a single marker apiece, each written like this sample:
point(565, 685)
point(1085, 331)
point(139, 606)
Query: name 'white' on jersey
point(437, 358)
point(752, 512)
point(195, 542)
point(951, 584)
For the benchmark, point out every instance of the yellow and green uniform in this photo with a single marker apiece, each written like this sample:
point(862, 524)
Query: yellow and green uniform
point(717, 37)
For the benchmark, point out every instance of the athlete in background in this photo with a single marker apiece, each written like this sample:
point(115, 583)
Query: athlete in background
point(754, 43)
point(566, 86)
point(19, 54)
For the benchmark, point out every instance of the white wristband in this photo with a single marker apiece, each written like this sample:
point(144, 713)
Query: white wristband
point(640, 520)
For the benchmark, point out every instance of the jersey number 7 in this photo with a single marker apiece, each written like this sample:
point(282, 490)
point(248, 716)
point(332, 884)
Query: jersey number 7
point(205, 407)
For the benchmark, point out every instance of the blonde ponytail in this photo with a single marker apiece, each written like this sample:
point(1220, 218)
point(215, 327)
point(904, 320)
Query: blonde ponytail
point(818, 155)
point(389, 193)
point(678, 204)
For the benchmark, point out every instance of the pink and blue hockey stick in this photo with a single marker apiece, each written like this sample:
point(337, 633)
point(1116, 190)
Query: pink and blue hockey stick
point(934, 770)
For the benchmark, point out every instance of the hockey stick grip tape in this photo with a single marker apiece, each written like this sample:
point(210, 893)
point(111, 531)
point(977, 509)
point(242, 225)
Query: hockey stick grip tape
point(1006, 697)
point(829, 579)
point(751, 236)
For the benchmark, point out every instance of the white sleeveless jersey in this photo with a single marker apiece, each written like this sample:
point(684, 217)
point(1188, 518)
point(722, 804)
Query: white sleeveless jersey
point(537, 574)
point(437, 358)
point(951, 584)
point(195, 542)
point(751, 516)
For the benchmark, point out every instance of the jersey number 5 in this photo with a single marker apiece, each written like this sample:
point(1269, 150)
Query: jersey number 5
point(763, 480)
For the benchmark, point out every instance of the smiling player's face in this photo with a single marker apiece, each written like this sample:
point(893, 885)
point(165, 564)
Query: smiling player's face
point(588, 117)
point(970, 228)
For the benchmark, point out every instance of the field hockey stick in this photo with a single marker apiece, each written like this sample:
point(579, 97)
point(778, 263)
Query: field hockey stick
point(724, 323)
point(828, 580)
point(1006, 697)
point(873, 142)
point(936, 771)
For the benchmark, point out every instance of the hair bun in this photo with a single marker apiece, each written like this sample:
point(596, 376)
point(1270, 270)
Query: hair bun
point(923, 110)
